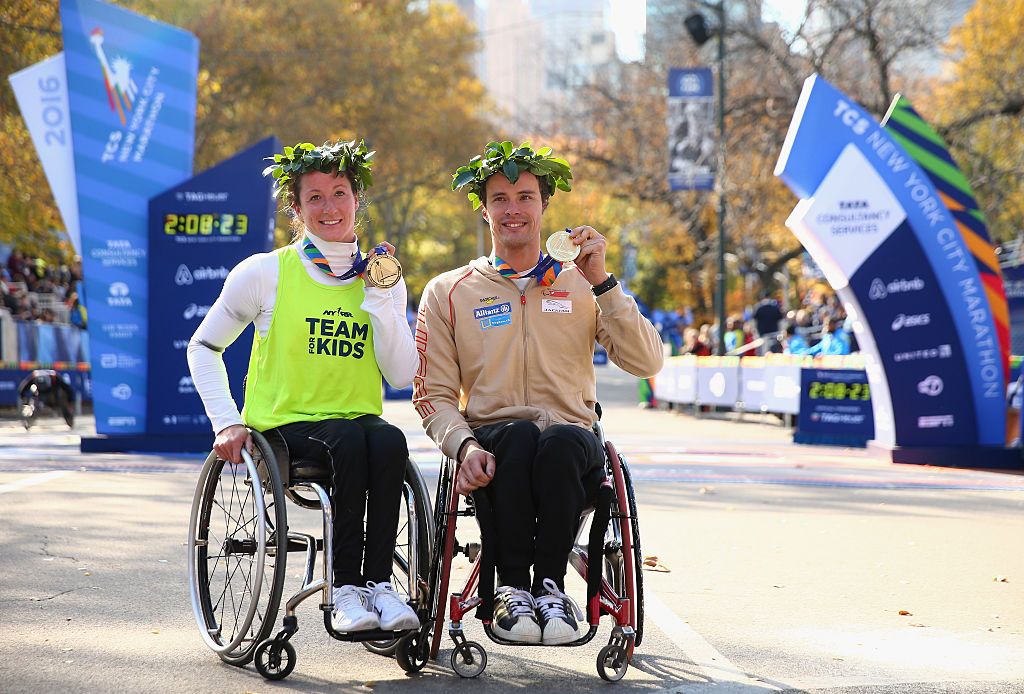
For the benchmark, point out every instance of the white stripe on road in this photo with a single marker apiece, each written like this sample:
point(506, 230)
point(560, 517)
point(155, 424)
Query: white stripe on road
point(34, 479)
point(716, 666)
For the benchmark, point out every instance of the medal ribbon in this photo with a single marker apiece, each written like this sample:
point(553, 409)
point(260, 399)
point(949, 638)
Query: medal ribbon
point(357, 269)
point(546, 270)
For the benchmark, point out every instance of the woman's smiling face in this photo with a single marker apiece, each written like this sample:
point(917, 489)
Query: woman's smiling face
point(327, 205)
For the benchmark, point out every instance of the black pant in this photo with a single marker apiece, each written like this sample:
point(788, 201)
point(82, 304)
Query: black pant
point(542, 482)
point(368, 456)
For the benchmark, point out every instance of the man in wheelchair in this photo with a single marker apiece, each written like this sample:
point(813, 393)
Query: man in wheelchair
point(506, 384)
point(46, 387)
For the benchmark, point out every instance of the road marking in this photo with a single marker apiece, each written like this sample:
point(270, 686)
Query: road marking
point(33, 480)
point(716, 666)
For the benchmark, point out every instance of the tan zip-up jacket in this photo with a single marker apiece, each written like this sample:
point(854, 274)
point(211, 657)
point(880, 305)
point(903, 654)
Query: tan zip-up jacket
point(489, 352)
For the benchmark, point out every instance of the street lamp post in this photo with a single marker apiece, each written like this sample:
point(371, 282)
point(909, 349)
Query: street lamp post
point(699, 32)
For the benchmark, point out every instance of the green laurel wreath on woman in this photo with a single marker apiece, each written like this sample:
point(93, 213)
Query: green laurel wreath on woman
point(512, 162)
point(304, 157)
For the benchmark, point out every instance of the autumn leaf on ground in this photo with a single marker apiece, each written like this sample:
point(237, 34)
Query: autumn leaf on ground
point(651, 563)
point(904, 613)
point(1000, 579)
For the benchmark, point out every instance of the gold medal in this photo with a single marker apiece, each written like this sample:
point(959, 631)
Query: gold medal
point(561, 248)
point(383, 270)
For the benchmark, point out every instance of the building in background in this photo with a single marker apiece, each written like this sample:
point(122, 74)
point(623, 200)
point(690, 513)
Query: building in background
point(535, 53)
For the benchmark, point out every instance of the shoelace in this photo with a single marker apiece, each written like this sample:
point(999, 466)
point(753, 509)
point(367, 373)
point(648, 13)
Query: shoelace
point(383, 590)
point(552, 605)
point(520, 602)
point(351, 596)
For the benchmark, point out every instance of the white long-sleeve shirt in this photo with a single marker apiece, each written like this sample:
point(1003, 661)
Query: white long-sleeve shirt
point(248, 296)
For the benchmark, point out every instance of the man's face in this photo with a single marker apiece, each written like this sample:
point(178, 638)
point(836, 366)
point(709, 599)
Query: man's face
point(513, 211)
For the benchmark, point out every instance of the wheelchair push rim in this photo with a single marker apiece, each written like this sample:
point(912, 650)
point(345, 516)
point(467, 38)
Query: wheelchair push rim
point(228, 586)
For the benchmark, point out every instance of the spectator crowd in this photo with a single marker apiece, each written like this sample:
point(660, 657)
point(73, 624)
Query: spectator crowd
point(34, 289)
point(817, 327)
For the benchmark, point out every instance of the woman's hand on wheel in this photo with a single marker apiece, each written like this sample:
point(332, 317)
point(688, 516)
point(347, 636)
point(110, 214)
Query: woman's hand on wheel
point(229, 442)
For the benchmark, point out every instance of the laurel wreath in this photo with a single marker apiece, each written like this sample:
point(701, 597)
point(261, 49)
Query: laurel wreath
point(304, 157)
point(512, 162)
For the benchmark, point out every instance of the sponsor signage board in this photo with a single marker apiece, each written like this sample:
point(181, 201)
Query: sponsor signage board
point(198, 231)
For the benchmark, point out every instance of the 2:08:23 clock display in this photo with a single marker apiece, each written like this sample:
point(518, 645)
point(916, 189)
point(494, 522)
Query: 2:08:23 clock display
point(830, 390)
point(206, 224)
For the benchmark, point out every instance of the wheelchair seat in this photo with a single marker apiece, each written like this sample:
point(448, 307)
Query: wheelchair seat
point(299, 470)
point(310, 470)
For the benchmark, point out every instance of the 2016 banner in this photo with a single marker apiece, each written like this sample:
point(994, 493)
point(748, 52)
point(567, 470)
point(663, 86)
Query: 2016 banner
point(132, 97)
point(42, 94)
point(886, 241)
point(691, 129)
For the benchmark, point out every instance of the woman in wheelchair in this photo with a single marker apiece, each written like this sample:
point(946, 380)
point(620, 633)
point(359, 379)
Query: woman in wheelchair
point(324, 336)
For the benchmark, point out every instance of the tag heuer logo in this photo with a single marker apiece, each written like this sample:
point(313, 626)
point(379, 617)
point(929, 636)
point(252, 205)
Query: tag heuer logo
point(182, 276)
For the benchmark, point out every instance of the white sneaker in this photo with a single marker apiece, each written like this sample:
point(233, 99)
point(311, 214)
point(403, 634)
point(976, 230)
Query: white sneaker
point(558, 615)
point(515, 618)
point(392, 611)
point(350, 613)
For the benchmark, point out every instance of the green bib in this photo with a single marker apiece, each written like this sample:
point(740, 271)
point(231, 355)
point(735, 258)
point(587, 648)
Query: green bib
point(317, 360)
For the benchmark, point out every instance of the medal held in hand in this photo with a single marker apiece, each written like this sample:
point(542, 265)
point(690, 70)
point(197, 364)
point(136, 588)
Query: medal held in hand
point(383, 270)
point(561, 248)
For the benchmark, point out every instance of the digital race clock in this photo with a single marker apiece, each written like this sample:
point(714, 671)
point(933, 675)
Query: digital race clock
point(834, 390)
point(206, 224)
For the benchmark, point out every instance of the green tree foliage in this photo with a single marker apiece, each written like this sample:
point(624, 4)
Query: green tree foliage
point(28, 215)
point(980, 109)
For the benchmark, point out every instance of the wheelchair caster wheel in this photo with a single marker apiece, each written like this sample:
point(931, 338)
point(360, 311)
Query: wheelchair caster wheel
point(612, 663)
point(469, 659)
point(385, 648)
point(412, 651)
point(275, 659)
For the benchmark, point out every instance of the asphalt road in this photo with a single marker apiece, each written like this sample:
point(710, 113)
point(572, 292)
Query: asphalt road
point(789, 567)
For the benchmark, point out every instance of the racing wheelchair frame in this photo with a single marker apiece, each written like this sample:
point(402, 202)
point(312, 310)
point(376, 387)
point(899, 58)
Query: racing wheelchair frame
point(612, 543)
point(238, 547)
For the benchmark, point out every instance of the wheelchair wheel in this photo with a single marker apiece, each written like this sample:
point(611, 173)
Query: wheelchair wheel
point(424, 531)
point(624, 560)
point(236, 573)
point(444, 544)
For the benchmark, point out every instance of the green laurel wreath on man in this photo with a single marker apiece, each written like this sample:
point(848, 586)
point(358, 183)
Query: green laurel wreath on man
point(304, 157)
point(554, 172)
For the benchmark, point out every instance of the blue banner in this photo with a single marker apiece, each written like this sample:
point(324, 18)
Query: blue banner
point(835, 407)
point(132, 97)
point(198, 231)
point(47, 343)
point(874, 223)
point(692, 146)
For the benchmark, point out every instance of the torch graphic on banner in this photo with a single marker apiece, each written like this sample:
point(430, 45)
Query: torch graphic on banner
point(117, 77)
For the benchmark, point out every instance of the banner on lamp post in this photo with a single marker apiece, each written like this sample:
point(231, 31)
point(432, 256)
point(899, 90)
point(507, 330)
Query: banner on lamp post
point(692, 146)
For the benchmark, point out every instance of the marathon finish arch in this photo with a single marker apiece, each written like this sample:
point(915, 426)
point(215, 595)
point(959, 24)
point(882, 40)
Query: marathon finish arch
point(871, 217)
